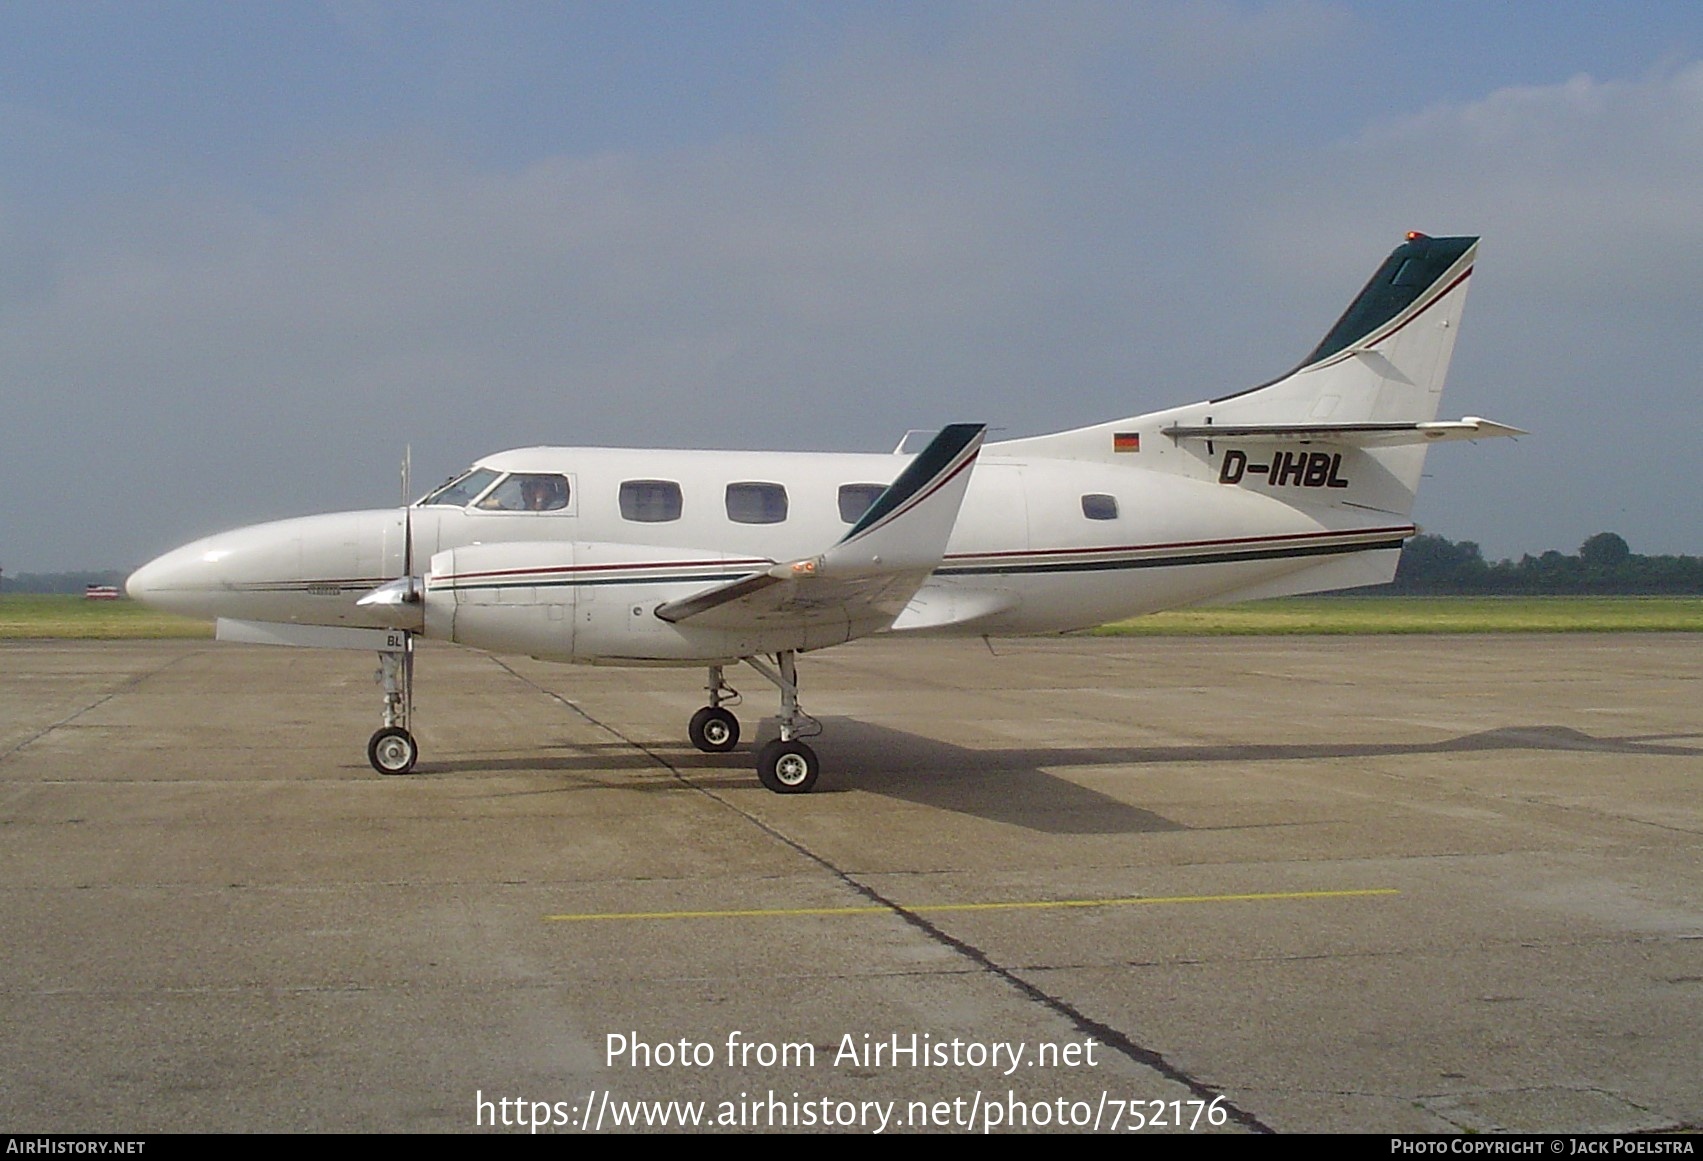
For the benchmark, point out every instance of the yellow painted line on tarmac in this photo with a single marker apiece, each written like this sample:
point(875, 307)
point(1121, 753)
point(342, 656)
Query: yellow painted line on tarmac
point(1016, 905)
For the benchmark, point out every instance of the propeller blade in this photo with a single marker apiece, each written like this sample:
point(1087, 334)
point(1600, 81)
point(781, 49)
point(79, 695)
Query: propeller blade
point(407, 511)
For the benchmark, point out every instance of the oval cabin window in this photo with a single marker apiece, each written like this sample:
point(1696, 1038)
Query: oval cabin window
point(650, 501)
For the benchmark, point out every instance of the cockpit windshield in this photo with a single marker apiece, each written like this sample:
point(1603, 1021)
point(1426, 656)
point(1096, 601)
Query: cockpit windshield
point(495, 491)
point(462, 490)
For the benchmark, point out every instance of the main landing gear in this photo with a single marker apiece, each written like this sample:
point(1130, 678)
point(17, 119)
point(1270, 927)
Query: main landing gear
point(714, 729)
point(785, 765)
point(392, 750)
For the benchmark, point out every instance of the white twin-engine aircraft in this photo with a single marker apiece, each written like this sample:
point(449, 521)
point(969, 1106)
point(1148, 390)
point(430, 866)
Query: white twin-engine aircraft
point(628, 557)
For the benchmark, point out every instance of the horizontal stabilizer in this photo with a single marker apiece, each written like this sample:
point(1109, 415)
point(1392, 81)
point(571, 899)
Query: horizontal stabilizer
point(870, 575)
point(1347, 434)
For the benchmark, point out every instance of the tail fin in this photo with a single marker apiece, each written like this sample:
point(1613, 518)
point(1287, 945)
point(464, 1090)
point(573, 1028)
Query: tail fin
point(1392, 297)
point(1365, 399)
point(1386, 357)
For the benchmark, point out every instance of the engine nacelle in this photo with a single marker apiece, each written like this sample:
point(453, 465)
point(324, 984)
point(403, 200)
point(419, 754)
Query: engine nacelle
point(508, 598)
point(580, 600)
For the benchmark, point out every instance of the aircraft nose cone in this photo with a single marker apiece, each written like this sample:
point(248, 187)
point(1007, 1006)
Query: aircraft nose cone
point(176, 582)
point(141, 583)
point(309, 570)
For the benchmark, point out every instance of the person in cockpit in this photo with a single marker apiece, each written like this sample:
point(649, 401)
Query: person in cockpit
point(544, 493)
point(528, 493)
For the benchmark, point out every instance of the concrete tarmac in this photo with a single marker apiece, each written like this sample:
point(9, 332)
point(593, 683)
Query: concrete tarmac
point(1299, 884)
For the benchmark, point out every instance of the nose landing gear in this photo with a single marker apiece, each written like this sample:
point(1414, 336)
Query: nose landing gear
point(393, 750)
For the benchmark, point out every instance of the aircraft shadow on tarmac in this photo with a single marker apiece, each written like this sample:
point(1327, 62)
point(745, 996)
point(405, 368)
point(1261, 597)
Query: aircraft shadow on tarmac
point(1013, 784)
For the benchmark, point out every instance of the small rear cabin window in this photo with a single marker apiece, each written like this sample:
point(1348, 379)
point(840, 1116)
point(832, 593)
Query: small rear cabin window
point(1099, 506)
point(756, 503)
point(855, 500)
point(650, 501)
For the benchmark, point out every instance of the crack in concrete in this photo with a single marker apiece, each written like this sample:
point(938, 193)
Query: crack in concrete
point(128, 683)
point(1112, 1037)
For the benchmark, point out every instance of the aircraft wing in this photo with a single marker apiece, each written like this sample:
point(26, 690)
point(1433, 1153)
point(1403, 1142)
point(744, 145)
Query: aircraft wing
point(1347, 434)
point(868, 577)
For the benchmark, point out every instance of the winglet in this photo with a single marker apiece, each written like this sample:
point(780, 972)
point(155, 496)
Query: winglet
point(947, 455)
point(909, 523)
point(868, 576)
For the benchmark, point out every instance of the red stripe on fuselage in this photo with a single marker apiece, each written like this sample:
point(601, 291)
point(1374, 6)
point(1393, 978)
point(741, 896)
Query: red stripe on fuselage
point(1403, 530)
point(725, 563)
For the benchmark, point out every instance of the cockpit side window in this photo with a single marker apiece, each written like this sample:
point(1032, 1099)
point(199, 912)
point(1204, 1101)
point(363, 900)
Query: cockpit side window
point(528, 492)
point(462, 490)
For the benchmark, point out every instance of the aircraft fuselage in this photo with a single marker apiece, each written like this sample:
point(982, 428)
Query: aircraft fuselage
point(1040, 546)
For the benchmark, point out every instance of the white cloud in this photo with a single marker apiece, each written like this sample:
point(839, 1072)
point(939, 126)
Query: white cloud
point(1603, 172)
point(1023, 222)
point(1583, 319)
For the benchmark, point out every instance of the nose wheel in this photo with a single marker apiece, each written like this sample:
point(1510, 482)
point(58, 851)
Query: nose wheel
point(393, 750)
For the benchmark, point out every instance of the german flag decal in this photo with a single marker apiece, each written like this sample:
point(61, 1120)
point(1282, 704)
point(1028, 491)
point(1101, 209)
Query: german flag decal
point(1126, 441)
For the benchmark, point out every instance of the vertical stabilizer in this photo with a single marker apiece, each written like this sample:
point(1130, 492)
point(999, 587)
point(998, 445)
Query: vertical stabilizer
point(1361, 402)
point(1387, 356)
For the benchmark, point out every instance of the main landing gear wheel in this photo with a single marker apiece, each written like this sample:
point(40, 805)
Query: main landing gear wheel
point(393, 750)
point(714, 730)
point(788, 767)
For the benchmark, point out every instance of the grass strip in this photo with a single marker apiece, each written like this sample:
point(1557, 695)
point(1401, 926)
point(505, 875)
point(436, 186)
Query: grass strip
point(25, 616)
point(1389, 615)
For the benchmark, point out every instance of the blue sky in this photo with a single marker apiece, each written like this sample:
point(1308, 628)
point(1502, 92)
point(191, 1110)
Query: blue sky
point(247, 252)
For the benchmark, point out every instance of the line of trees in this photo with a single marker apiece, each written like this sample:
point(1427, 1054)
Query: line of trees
point(1604, 565)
